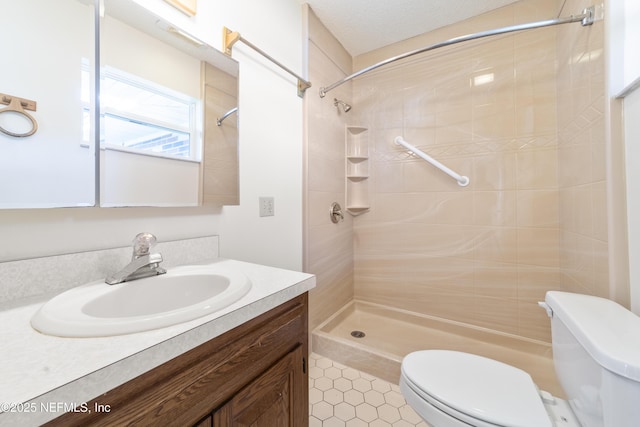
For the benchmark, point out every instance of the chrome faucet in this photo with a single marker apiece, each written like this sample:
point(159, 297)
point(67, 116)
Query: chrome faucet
point(143, 262)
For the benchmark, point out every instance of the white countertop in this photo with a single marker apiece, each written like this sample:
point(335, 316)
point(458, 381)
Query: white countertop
point(41, 374)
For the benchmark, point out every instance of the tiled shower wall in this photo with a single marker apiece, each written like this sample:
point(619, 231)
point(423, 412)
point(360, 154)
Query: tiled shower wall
point(328, 246)
point(582, 154)
point(496, 111)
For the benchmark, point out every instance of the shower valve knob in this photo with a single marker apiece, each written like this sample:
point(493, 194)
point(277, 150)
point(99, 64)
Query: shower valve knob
point(335, 213)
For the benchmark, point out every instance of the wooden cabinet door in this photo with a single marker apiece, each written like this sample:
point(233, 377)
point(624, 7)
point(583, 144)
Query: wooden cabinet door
point(206, 422)
point(277, 398)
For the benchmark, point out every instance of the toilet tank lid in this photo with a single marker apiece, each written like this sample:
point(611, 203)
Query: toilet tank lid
point(609, 332)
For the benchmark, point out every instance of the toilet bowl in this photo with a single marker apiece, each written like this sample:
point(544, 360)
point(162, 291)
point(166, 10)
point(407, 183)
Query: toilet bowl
point(455, 389)
point(596, 353)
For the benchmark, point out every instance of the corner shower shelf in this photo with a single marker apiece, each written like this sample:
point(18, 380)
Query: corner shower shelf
point(357, 169)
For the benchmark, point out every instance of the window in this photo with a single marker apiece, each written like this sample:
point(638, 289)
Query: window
point(137, 115)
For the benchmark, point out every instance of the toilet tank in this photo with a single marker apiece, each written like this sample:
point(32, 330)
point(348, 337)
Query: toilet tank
point(596, 354)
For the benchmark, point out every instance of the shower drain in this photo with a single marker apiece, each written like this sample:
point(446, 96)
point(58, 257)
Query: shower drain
point(357, 334)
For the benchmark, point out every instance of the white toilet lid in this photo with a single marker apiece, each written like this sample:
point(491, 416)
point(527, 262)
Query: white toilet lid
point(478, 387)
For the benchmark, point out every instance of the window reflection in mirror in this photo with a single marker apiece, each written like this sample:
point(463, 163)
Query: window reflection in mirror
point(150, 113)
point(161, 91)
point(144, 117)
point(47, 54)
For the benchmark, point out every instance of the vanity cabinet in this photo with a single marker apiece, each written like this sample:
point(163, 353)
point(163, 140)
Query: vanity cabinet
point(268, 400)
point(255, 374)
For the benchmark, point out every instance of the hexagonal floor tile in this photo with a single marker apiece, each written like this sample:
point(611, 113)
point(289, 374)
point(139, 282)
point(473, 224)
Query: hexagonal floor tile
point(343, 396)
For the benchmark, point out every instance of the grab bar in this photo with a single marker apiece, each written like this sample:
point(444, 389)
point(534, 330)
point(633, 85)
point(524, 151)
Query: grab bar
point(463, 181)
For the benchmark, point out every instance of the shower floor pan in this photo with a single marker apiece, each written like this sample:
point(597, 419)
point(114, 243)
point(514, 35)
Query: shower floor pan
point(390, 334)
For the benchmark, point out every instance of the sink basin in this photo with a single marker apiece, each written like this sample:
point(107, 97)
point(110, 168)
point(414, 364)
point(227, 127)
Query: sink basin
point(182, 294)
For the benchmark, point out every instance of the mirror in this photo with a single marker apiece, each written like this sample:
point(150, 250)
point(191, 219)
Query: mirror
point(47, 53)
point(160, 98)
point(161, 94)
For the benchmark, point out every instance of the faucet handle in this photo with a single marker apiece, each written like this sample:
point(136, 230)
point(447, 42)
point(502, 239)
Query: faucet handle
point(142, 243)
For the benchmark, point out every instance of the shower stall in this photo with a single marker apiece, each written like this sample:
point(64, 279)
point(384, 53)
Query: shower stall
point(433, 264)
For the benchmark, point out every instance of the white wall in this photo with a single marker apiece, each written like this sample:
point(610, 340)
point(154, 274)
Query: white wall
point(632, 154)
point(161, 63)
point(624, 37)
point(270, 156)
point(134, 179)
point(632, 38)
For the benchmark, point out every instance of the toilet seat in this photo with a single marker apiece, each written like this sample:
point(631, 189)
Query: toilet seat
point(474, 389)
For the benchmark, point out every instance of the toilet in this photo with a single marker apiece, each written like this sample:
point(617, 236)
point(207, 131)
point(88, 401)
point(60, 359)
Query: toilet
point(596, 354)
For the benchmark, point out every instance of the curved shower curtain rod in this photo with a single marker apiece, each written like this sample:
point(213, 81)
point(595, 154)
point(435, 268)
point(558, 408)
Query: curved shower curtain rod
point(225, 115)
point(586, 18)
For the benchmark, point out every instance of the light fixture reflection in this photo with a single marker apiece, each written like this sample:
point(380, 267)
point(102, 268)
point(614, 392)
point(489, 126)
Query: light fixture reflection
point(483, 79)
point(180, 33)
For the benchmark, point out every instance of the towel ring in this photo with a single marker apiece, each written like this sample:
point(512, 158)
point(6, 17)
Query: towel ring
point(15, 105)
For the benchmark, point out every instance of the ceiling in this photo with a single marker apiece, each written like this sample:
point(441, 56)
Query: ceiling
point(365, 25)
